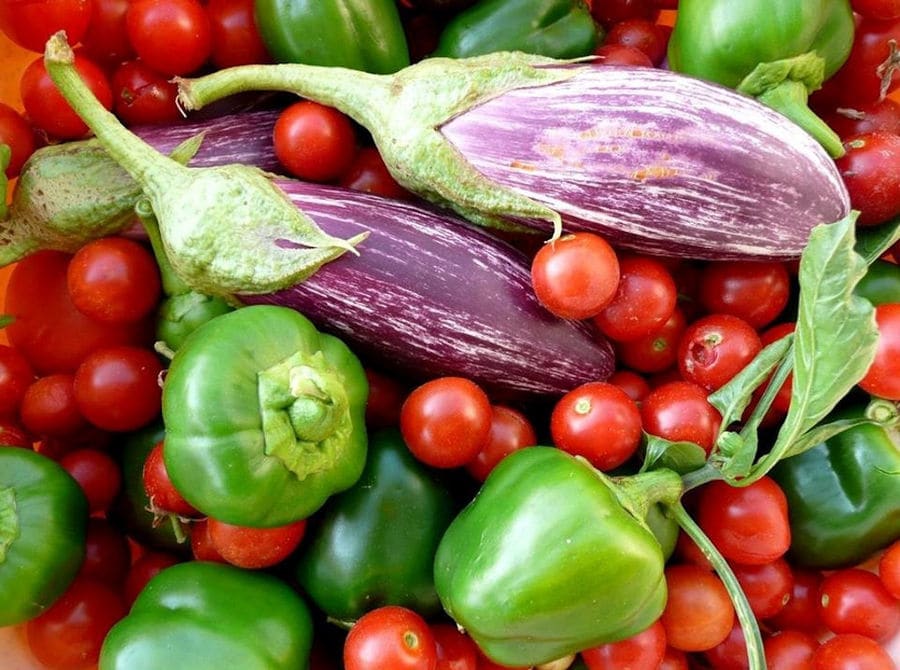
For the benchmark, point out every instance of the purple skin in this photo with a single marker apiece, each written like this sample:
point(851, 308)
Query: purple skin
point(722, 176)
point(431, 296)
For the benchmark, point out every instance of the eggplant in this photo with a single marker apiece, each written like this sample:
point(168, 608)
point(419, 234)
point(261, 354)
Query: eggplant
point(656, 161)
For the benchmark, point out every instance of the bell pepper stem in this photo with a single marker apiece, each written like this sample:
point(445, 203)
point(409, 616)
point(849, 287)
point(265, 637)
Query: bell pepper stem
point(746, 618)
point(638, 493)
point(790, 98)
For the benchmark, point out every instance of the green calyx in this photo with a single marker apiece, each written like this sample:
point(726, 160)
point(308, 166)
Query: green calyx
point(226, 229)
point(305, 413)
point(9, 521)
point(785, 85)
point(404, 113)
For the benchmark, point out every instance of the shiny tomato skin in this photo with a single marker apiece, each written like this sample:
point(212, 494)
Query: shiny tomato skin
point(510, 430)
point(254, 548)
point(698, 614)
point(853, 600)
point(870, 169)
point(314, 142)
point(714, 348)
point(235, 36)
point(17, 134)
point(643, 651)
point(390, 637)
point(680, 412)
point(882, 379)
point(755, 291)
point(30, 24)
point(173, 37)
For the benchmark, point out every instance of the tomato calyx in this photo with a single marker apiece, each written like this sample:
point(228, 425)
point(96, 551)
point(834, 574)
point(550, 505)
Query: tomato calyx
point(886, 69)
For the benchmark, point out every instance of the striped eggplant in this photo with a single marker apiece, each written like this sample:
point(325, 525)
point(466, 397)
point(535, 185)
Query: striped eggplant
point(428, 294)
point(654, 160)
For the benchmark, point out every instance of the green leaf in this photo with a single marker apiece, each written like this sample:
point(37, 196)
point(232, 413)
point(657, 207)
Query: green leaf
point(682, 457)
point(820, 433)
point(873, 241)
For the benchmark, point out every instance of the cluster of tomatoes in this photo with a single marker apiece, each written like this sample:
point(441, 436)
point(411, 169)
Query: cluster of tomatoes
point(81, 367)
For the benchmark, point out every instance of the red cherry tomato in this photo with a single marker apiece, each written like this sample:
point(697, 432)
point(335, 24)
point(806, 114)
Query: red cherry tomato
point(16, 376)
point(883, 10)
point(853, 600)
point(575, 276)
point(767, 586)
point(698, 614)
point(390, 637)
point(235, 37)
point(790, 650)
point(610, 12)
point(889, 569)
point(107, 556)
point(49, 408)
point(755, 291)
point(255, 548)
point(314, 142)
point(98, 475)
point(164, 497)
point(622, 54)
point(173, 37)
point(883, 116)
point(643, 651)
point(634, 385)
point(748, 524)
point(386, 396)
point(851, 652)
point(455, 649)
point(369, 174)
point(143, 96)
point(715, 348)
point(445, 422)
point(646, 36)
point(48, 110)
point(17, 134)
point(202, 546)
point(883, 376)
point(106, 40)
point(14, 434)
point(150, 564)
point(871, 171)
point(801, 612)
point(30, 24)
point(730, 653)
point(656, 352)
point(510, 430)
point(679, 411)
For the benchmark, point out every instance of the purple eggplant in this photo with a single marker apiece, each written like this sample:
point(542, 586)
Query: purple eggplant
point(656, 161)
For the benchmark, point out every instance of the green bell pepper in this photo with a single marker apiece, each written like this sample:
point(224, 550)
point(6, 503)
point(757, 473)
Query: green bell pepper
point(264, 416)
point(778, 51)
point(552, 557)
point(374, 544)
point(554, 28)
point(357, 34)
point(43, 517)
point(880, 284)
point(210, 616)
point(844, 495)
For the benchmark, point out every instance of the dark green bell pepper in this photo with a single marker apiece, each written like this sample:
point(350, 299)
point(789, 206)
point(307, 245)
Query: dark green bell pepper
point(357, 34)
point(374, 544)
point(210, 616)
point(843, 495)
point(778, 51)
point(554, 28)
point(880, 284)
point(552, 556)
point(264, 416)
point(43, 517)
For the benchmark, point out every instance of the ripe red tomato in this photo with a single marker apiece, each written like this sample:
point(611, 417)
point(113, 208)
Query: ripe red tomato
point(386, 396)
point(715, 348)
point(883, 10)
point(883, 116)
point(48, 110)
point(851, 652)
point(15, 133)
point(871, 171)
point(390, 637)
point(642, 651)
point(49, 408)
point(147, 566)
point(164, 497)
point(631, 382)
point(201, 544)
point(30, 24)
point(853, 600)
point(455, 649)
point(255, 548)
point(510, 430)
point(610, 12)
point(598, 421)
point(755, 291)
point(621, 54)
point(107, 555)
point(445, 422)
point(106, 40)
point(790, 650)
point(889, 569)
point(235, 37)
point(173, 37)
point(98, 475)
point(801, 612)
point(575, 276)
point(646, 36)
point(679, 411)
point(730, 653)
point(698, 614)
point(883, 377)
point(644, 300)
point(767, 586)
point(369, 174)
point(656, 352)
point(16, 376)
point(314, 142)
point(143, 96)
point(748, 524)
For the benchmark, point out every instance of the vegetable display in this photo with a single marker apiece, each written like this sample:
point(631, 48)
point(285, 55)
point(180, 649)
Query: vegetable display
point(511, 140)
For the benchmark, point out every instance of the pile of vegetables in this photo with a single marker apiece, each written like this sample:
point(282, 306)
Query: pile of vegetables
point(452, 334)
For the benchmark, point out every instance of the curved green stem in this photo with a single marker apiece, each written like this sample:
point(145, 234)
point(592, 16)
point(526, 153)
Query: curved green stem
point(791, 98)
point(752, 635)
point(172, 284)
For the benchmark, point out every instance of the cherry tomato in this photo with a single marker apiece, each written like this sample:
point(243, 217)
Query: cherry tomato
point(642, 34)
point(882, 116)
point(675, 659)
point(30, 24)
point(390, 637)
point(255, 548)
point(656, 352)
point(622, 54)
point(714, 348)
point(49, 408)
point(164, 497)
point(455, 649)
point(644, 300)
point(173, 37)
point(47, 328)
point(889, 569)
point(730, 653)
point(68, 635)
point(634, 385)
point(150, 564)
point(202, 547)
point(16, 376)
point(598, 421)
point(114, 279)
point(853, 600)
point(235, 37)
point(445, 422)
point(851, 652)
point(107, 556)
point(143, 96)
point(883, 10)
point(642, 651)
point(48, 110)
point(755, 291)
point(117, 388)
point(883, 377)
point(698, 614)
point(790, 650)
point(748, 524)
point(15, 133)
point(610, 12)
point(314, 142)
point(801, 612)
point(767, 586)
point(575, 276)
point(98, 475)
point(14, 434)
point(369, 174)
point(687, 551)
point(679, 411)
point(106, 40)
point(510, 430)
point(870, 169)
point(386, 396)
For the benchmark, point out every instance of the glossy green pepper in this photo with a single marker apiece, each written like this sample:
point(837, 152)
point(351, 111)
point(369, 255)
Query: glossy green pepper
point(778, 51)
point(880, 284)
point(357, 34)
point(210, 616)
point(843, 495)
point(554, 28)
point(264, 416)
point(43, 516)
point(374, 544)
point(552, 556)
